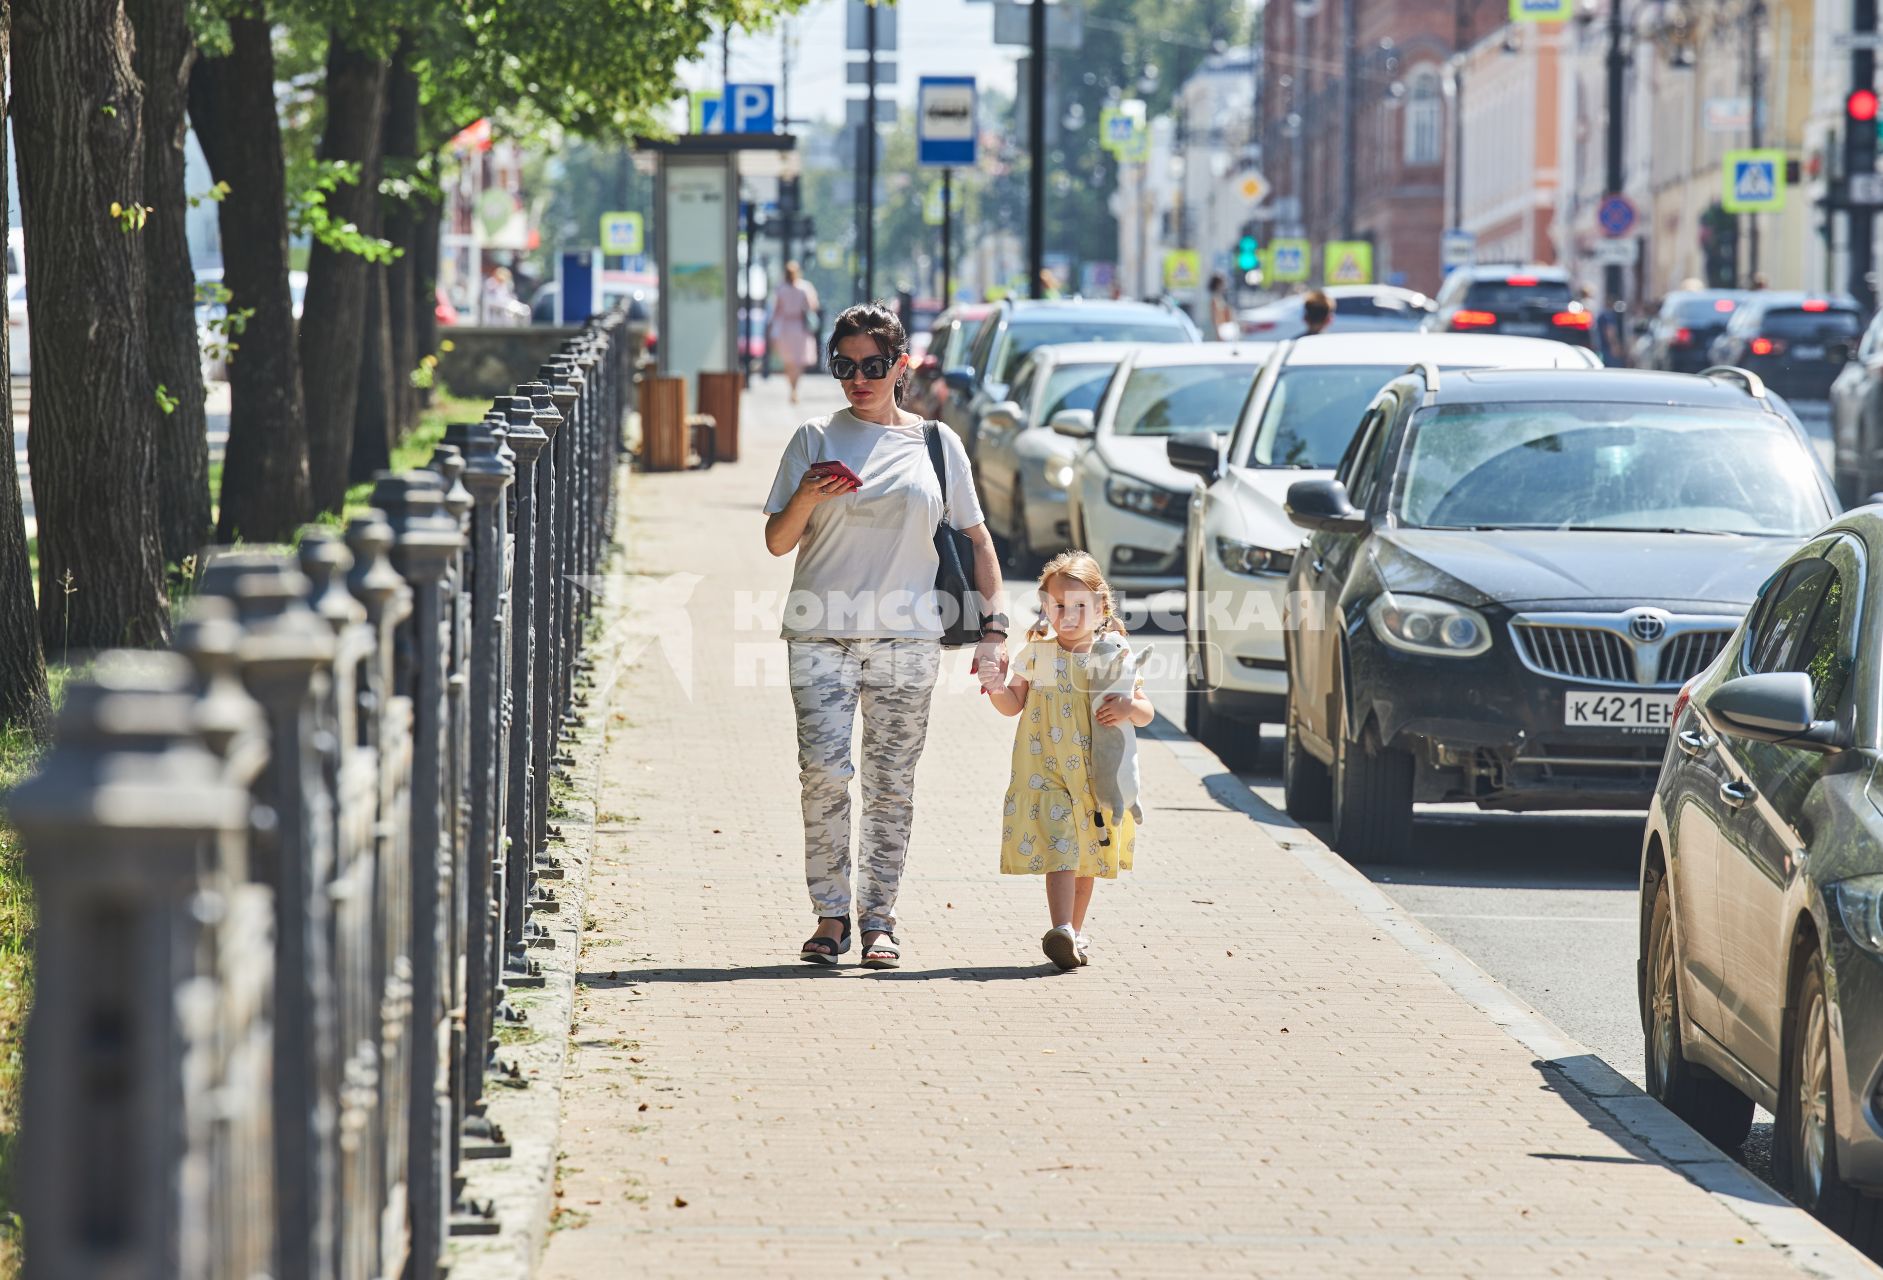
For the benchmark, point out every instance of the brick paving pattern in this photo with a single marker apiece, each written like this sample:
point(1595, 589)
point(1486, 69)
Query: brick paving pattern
point(1248, 1080)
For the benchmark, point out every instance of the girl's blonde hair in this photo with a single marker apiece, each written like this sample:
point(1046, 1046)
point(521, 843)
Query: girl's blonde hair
point(1084, 570)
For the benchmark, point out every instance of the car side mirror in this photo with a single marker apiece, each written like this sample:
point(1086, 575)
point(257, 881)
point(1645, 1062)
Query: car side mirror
point(960, 379)
point(1773, 706)
point(1322, 505)
point(1076, 423)
point(1004, 416)
point(1198, 452)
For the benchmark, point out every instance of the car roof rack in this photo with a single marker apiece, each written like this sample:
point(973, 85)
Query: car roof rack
point(1753, 384)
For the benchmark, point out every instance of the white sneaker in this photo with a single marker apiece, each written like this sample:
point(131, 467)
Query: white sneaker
point(1061, 946)
point(1081, 947)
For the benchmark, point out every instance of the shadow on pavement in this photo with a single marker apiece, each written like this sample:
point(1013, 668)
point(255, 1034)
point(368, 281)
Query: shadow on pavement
point(615, 979)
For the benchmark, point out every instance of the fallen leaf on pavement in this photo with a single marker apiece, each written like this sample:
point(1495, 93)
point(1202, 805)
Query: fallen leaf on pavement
point(679, 1202)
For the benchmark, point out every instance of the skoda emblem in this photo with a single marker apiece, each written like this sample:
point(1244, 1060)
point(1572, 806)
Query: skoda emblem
point(1647, 627)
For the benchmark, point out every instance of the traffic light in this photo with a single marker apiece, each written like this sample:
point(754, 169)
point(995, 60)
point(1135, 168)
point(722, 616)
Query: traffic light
point(1248, 254)
point(1860, 131)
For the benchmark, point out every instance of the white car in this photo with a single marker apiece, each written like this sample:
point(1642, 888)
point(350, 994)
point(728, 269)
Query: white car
point(1126, 502)
point(1025, 466)
point(1298, 421)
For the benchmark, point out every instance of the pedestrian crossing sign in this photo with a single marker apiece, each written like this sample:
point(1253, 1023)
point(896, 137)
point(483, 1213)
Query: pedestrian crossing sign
point(1288, 261)
point(1183, 269)
point(1347, 262)
point(1755, 181)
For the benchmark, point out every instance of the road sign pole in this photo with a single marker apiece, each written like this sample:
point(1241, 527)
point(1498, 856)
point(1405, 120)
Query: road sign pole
point(1617, 65)
point(868, 211)
point(948, 237)
point(1036, 147)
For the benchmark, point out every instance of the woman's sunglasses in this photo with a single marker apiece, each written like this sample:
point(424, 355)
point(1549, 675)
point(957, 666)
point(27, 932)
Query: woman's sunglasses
point(875, 368)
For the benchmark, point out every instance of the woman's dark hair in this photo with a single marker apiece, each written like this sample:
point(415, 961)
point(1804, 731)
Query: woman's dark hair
point(877, 321)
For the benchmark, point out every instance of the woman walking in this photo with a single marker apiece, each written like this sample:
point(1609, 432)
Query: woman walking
point(791, 335)
point(858, 497)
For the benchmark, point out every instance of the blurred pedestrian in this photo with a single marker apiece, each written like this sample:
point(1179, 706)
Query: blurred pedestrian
point(859, 495)
point(793, 326)
point(1075, 751)
point(1317, 311)
point(1222, 319)
point(499, 300)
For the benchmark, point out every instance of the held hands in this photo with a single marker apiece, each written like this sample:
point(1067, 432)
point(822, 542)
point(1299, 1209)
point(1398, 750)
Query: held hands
point(990, 665)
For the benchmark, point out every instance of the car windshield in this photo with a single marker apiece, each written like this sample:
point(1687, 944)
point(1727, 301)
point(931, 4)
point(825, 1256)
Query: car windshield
point(1157, 402)
point(1023, 338)
point(1631, 467)
point(1074, 386)
point(1696, 309)
point(1312, 412)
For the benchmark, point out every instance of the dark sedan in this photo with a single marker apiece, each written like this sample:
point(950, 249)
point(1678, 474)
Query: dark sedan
point(1796, 342)
point(1761, 971)
point(1509, 577)
point(1682, 331)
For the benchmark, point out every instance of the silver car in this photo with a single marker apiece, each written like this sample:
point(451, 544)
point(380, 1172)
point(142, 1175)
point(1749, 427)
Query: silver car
point(1025, 465)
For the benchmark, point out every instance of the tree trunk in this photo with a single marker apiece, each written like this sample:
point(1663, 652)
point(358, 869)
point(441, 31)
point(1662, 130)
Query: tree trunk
point(79, 129)
point(335, 307)
point(376, 425)
point(264, 469)
point(165, 50)
point(374, 430)
point(23, 700)
point(430, 223)
point(402, 226)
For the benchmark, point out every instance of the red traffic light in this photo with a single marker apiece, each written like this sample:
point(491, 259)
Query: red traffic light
point(1861, 105)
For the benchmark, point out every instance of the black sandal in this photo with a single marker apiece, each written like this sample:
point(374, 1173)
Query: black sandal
point(826, 950)
point(890, 956)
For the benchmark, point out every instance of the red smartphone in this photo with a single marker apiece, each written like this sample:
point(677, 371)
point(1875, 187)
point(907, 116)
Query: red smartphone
point(835, 468)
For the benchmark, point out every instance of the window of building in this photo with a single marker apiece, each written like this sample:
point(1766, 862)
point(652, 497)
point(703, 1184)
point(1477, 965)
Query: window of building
point(1424, 118)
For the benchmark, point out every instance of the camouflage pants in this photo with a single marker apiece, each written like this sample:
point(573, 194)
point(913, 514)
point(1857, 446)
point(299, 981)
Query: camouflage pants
point(891, 680)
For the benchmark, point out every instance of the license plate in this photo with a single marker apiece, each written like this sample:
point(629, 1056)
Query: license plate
point(1586, 709)
point(1525, 330)
point(1808, 353)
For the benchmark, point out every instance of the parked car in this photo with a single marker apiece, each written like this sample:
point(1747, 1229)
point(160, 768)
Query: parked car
point(1682, 330)
point(1014, 327)
point(1524, 302)
point(1126, 501)
point(1857, 419)
point(1510, 576)
point(948, 342)
point(1026, 467)
point(1358, 308)
point(1297, 423)
point(1796, 342)
point(1761, 904)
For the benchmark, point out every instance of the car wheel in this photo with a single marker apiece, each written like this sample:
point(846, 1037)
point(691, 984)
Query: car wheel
point(1717, 1111)
point(1306, 785)
point(1807, 1118)
point(1237, 743)
point(1372, 815)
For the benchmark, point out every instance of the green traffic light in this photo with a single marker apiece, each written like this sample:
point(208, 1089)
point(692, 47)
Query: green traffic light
point(1247, 254)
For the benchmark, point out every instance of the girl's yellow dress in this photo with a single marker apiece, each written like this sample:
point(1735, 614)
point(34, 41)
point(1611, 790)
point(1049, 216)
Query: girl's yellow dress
point(1050, 820)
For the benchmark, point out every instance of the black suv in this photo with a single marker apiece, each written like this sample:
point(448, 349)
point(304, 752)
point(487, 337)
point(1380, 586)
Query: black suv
point(1015, 327)
point(1797, 342)
point(1526, 302)
point(1509, 578)
point(1681, 332)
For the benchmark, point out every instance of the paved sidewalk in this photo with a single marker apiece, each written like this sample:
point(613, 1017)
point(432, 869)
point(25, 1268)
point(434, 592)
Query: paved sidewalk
point(1253, 1078)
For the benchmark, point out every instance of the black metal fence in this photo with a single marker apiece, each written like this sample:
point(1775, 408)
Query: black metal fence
point(287, 872)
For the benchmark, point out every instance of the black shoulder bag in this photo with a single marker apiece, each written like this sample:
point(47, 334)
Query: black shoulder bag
point(955, 595)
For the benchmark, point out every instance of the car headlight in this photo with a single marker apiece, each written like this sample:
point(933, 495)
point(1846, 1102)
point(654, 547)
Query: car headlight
point(1059, 472)
point(1146, 499)
point(1246, 557)
point(1425, 624)
point(1860, 902)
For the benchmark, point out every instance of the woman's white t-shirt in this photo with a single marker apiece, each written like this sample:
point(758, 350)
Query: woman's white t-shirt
point(866, 564)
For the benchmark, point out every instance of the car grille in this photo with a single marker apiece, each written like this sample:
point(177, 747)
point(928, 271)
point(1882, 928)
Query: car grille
point(1581, 653)
point(1600, 648)
point(1687, 655)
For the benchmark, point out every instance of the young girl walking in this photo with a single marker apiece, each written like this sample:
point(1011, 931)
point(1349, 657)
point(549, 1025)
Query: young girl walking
point(1064, 816)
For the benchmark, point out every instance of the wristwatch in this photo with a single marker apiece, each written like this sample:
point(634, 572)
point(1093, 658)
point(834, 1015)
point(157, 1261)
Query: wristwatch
point(994, 624)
